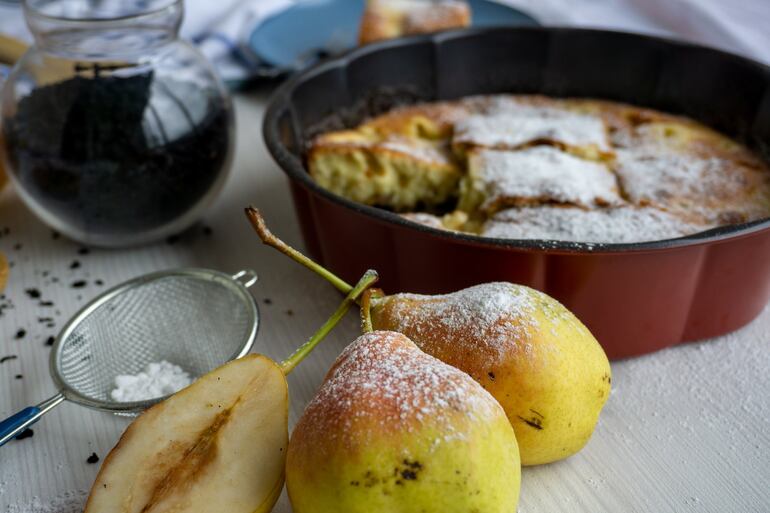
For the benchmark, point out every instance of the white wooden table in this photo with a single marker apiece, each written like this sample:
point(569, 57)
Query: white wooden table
point(686, 429)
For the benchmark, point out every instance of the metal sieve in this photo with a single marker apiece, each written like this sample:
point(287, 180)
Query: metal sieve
point(198, 319)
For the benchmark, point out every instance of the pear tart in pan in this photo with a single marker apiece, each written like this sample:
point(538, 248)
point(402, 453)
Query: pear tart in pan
point(533, 167)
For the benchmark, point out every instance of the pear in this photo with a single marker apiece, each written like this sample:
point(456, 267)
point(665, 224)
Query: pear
point(217, 445)
point(534, 356)
point(221, 441)
point(393, 429)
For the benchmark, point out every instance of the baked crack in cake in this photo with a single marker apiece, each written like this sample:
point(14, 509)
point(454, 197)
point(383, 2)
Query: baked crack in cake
point(533, 167)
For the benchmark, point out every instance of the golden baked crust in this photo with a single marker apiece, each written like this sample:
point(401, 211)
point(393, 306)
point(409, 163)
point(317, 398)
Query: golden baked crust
point(401, 160)
point(524, 152)
point(402, 173)
point(432, 121)
point(387, 19)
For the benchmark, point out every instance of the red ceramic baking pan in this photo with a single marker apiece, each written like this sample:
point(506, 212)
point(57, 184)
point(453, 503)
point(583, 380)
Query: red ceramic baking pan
point(635, 298)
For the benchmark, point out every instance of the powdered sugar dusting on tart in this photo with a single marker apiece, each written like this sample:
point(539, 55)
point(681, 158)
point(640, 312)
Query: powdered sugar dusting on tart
point(541, 174)
point(610, 225)
point(660, 177)
point(520, 151)
point(419, 151)
point(422, 151)
point(424, 219)
point(512, 125)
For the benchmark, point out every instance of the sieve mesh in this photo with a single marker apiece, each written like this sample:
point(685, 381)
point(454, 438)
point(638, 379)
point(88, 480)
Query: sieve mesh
point(196, 319)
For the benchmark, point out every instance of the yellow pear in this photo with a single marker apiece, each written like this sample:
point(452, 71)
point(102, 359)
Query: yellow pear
point(219, 442)
point(393, 429)
point(533, 355)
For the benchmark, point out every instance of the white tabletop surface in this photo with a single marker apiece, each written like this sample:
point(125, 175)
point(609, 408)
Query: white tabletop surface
point(685, 429)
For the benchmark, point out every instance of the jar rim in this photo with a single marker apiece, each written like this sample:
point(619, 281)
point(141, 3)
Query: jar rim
point(35, 8)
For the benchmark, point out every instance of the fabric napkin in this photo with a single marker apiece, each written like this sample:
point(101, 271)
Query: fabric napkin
point(220, 28)
point(738, 25)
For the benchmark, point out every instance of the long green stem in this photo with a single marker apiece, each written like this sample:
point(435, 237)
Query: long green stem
point(366, 281)
point(258, 222)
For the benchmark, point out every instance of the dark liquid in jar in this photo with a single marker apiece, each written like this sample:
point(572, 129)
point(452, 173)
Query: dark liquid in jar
point(112, 155)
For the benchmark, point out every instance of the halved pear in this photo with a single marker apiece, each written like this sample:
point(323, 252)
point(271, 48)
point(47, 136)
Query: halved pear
point(217, 445)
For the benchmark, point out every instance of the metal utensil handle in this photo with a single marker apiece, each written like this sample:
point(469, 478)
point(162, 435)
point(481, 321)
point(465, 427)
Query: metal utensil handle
point(246, 277)
point(12, 427)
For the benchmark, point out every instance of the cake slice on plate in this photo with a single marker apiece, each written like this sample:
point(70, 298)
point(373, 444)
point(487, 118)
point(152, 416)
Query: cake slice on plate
point(387, 19)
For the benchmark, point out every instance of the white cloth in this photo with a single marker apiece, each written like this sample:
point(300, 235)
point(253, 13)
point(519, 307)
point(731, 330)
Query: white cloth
point(740, 26)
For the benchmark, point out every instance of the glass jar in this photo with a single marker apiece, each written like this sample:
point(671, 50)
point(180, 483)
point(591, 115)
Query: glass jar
point(116, 132)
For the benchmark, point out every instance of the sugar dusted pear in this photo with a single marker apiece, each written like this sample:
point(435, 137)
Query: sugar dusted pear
point(533, 355)
point(393, 429)
point(218, 443)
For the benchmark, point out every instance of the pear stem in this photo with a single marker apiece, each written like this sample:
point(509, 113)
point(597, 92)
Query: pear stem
point(258, 222)
point(366, 312)
point(366, 281)
point(366, 308)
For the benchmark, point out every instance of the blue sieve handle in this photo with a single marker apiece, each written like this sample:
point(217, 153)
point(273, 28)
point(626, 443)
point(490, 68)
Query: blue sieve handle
point(11, 427)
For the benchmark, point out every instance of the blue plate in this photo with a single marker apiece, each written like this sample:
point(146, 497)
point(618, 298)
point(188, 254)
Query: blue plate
point(299, 35)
